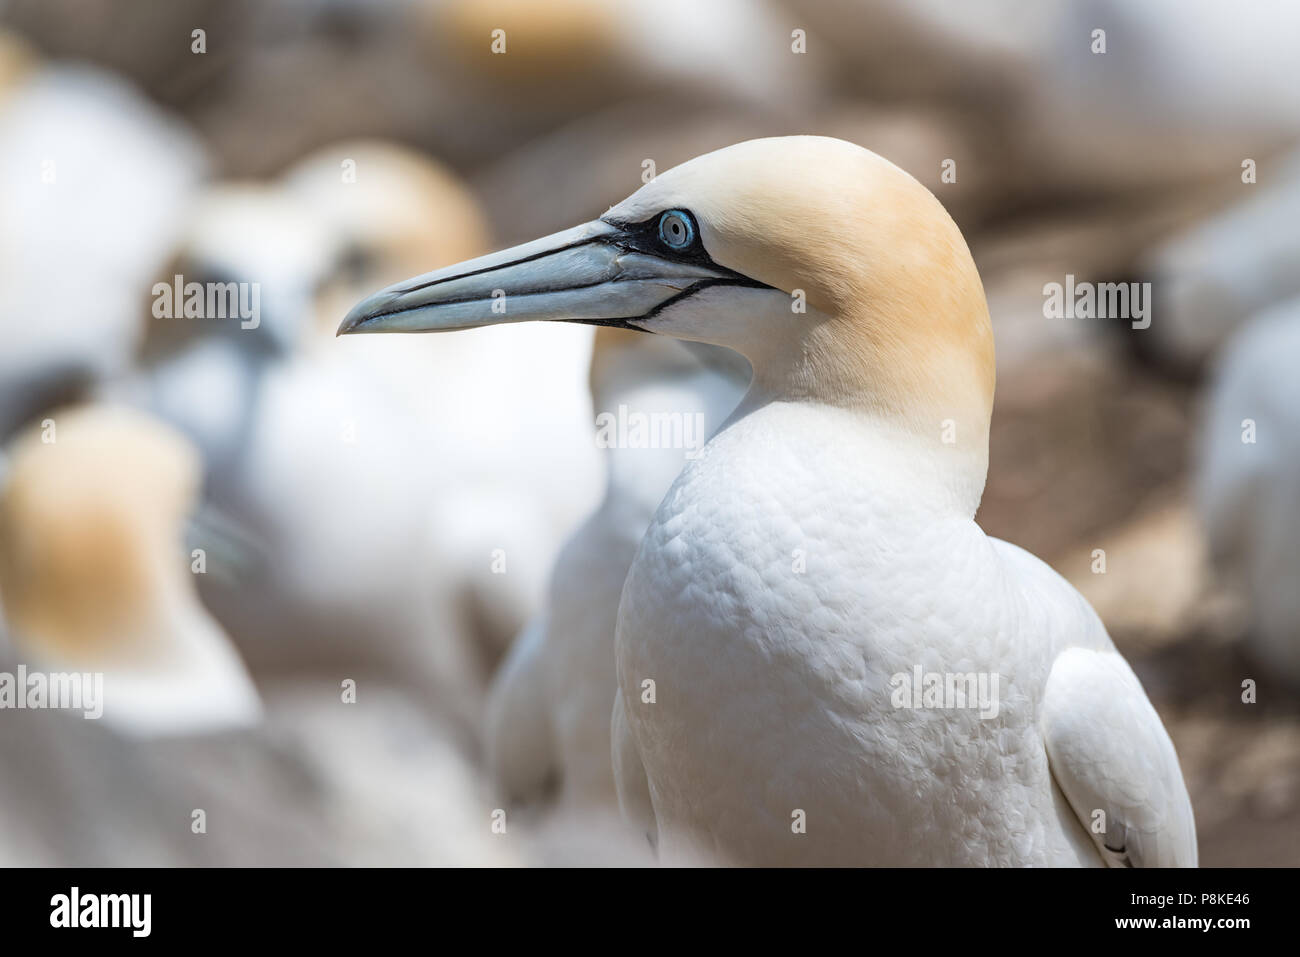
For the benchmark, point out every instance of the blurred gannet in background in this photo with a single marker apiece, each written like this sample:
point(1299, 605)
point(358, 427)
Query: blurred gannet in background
point(1184, 89)
point(294, 433)
point(391, 208)
point(1216, 274)
point(208, 376)
point(320, 784)
point(823, 548)
point(1248, 483)
point(1180, 90)
point(515, 460)
point(84, 153)
point(550, 704)
point(94, 577)
point(291, 437)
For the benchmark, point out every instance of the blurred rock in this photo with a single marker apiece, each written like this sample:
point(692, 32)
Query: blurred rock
point(147, 41)
point(928, 49)
point(1083, 440)
point(587, 54)
point(1152, 584)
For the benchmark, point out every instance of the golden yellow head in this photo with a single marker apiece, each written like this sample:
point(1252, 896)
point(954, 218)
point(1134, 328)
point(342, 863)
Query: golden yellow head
point(837, 275)
point(91, 519)
point(398, 208)
point(17, 61)
point(391, 212)
point(878, 302)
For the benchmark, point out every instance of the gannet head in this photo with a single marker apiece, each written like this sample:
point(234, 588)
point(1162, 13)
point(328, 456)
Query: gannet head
point(837, 275)
point(87, 509)
point(93, 576)
point(248, 267)
point(17, 61)
point(394, 211)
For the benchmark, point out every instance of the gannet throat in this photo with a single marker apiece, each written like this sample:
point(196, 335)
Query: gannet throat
point(607, 273)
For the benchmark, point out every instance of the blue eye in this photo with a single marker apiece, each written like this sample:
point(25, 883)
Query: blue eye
point(676, 231)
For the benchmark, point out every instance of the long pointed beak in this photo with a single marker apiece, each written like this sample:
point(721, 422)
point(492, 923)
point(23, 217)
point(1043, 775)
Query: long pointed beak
point(592, 273)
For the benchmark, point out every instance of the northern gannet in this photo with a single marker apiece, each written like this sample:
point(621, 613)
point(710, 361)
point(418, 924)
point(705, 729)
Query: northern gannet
point(83, 153)
point(822, 550)
point(1248, 480)
point(94, 580)
point(550, 703)
point(520, 399)
point(293, 440)
point(1213, 276)
point(94, 577)
point(1183, 90)
point(437, 595)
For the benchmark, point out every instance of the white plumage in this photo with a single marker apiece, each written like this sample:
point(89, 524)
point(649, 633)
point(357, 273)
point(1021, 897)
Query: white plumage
point(1248, 480)
point(1212, 277)
point(293, 438)
point(772, 682)
point(550, 704)
point(84, 155)
point(823, 546)
point(95, 579)
point(774, 687)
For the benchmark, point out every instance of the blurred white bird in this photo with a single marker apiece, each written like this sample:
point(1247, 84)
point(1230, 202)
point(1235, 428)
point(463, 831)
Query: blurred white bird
point(1248, 481)
point(1214, 276)
point(813, 579)
point(504, 417)
point(550, 704)
point(85, 155)
point(1145, 94)
point(446, 555)
point(293, 439)
point(1093, 95)
point(207, 374)
point(94, 577)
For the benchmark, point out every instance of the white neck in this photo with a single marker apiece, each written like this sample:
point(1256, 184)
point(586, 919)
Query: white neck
point(921, 398)
point(696, 397)
point(897, 460)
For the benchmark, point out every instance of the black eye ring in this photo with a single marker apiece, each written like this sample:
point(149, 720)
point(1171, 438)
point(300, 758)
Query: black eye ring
point(676, 231)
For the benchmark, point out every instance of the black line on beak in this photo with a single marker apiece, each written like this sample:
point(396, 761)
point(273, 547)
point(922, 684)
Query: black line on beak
point(487, 269)
point(625, 322)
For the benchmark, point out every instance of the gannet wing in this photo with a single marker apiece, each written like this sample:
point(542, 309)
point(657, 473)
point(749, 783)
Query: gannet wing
point(520, 746)
point(629, 775)
point(1114, 762)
